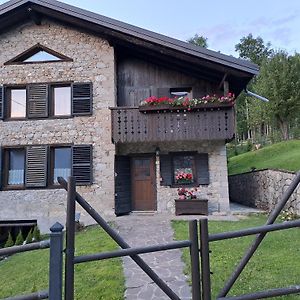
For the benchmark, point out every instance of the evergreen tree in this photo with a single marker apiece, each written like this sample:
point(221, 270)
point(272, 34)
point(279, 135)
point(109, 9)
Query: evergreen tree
point(36, 234)
point(19, 239)
point(9, 242)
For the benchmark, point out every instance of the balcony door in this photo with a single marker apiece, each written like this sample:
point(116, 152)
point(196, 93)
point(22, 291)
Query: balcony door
point(143, 183)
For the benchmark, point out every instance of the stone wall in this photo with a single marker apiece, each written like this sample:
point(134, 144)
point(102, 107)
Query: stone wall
point(263, 189)
point(216, 191)
point(93, 61)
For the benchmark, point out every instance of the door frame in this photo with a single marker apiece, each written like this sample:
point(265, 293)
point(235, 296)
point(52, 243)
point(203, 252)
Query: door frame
point(154, 186)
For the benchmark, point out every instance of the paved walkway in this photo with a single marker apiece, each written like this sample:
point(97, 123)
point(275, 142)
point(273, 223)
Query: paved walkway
point(146, 231)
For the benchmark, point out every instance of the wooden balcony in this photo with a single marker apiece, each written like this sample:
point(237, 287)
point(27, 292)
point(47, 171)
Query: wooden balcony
point(130, 125)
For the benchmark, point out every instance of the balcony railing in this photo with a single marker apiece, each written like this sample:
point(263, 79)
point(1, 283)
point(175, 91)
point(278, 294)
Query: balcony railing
point(130, 125)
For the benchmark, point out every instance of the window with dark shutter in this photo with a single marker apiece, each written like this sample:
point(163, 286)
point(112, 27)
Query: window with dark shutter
point(1, 102)
point(82, 94)
point(37, 101)
point(36, 166)
point(1, 167)
point(166, 170)
point(82, 164)
point(202, 168)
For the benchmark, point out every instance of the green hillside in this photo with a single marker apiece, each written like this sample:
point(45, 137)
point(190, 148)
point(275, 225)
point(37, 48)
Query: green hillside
point(283, 155)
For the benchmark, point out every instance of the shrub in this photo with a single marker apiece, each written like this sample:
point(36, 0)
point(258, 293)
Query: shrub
point(36, 234)
point(9, 242)
point(19, 239)
point(29, 237)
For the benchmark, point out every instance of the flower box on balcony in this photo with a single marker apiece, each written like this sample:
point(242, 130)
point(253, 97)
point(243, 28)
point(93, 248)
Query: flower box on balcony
point(168, 108)
point(191, 207)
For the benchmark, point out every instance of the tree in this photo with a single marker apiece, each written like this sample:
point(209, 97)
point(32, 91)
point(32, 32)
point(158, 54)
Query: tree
point(279, 81)
point(19, 239)
point(251, 113)
point(9, 242)
point(254, 49)
point(198, 40)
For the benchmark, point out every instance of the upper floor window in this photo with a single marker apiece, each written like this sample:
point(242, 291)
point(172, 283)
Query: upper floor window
point(62, 100)
point(17, 103)
point(36, 101)
point(38, 54)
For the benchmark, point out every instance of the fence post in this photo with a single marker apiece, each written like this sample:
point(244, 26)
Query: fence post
point(56, 262)
point(70, 240)
point(205, 265)
point(195, 264)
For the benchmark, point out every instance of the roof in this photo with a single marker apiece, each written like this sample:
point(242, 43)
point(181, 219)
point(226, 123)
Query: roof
point(15, 11)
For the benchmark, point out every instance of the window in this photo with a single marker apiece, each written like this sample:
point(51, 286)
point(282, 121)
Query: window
point(30, 166)
point(181, 92)
point(16, 164)
point(17, 108)
point(62, 100)
point(184, 169)
point(38, 54)
point(62, 163)
point(36, 101)
point(42, 56)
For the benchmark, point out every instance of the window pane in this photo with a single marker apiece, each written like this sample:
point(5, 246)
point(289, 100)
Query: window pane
point(183, 169)
point(62, 101)
point(18, 103)
point(42, 56)
point(62, 163)
point(16, 167)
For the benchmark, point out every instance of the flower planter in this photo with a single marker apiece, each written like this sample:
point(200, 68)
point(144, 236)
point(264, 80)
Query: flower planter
point(168, 108)
point(191, 207)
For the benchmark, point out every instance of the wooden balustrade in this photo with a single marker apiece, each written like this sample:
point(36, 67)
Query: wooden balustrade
point(130, 125)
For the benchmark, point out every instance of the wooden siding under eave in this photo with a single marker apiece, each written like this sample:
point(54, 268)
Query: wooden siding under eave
point(129, 125)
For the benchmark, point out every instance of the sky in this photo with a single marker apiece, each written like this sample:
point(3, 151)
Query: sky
point(223, 22)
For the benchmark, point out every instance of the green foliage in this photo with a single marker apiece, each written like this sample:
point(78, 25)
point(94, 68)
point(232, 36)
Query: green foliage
point(283, 155)
point(198, 40)
point(272, 261)
point(19, 239)
point(254, 49)
point(36, 234)
point(29, 237)
point(279, 81)
point(98, 280)
point(9, 242)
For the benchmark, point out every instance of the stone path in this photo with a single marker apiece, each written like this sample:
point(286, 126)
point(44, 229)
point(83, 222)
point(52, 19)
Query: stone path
point(146, 231)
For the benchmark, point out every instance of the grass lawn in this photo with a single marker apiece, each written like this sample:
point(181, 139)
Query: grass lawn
point(284, 155)
point(28, 272)
point(276, 264)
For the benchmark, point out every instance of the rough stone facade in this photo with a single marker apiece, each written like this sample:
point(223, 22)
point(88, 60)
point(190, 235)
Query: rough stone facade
point(216, 192)
point(263, 189)
point(93, 61)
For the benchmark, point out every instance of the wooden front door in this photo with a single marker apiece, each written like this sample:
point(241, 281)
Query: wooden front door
point(143, 183)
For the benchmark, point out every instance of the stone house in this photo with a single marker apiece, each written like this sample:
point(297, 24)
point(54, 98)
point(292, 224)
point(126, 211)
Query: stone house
point(70, 86)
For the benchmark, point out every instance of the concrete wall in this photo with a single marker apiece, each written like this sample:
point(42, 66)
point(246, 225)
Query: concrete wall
point(93, 61)
point(263, 189)
point(216, 191)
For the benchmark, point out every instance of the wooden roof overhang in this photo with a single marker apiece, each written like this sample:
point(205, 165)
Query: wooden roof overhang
point(124, 37)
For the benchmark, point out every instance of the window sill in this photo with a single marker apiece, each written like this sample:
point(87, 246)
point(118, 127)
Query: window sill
point(188, 185)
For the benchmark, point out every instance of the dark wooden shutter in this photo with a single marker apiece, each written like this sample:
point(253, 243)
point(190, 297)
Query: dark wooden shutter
point(36, 166)
point(82, 95)
point(82, 164)
point(166, 170)
point(1, 102)
point(202, 168)
point(37, 100)
point(122, 185)
point(1, 166)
